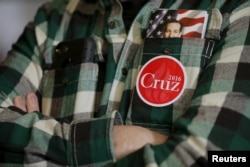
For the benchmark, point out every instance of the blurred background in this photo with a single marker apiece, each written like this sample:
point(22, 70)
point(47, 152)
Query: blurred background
point(14, 15)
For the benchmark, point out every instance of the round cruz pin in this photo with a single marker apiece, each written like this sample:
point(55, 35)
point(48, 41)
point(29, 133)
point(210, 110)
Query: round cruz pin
point(161, 81)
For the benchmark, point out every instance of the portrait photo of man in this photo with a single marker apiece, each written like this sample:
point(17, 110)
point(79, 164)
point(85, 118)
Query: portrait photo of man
point(177, 24)
point(173, 29)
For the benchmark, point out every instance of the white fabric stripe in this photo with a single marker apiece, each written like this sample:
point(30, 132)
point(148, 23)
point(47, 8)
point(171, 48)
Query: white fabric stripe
point(198, 144)
point(34, 73)
point(7, 102)
point(46, 126)
point(117, 38)
point(41, 37)
point(38, 164)
point(192, 79)
point(135, 34)
point(228, 55)
point(84, 102)
point(214, 99)
point(151, 165)
point(72, 5)
point(46, 106)
point(240, 14)
point(216, 20)
point(133, 78)
point(116, 91)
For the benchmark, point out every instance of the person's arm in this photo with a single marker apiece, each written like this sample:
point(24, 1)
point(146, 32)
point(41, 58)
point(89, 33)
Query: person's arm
point(33, 138)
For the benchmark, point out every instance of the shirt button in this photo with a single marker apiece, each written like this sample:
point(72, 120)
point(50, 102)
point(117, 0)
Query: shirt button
point(61, 49)
point(124, 71)
point(112, 25)
point(64, 81)
point(167, 50)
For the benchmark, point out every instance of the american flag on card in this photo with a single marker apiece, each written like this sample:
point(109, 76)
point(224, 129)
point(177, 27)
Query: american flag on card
point(193, 23)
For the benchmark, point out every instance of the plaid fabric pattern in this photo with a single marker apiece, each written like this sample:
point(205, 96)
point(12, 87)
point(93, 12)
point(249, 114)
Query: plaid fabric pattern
point(80, 104)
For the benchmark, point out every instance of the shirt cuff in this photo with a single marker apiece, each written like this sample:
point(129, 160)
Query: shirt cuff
point(91, 140)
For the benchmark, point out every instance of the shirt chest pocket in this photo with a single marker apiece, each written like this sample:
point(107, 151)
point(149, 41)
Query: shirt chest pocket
point(69, 93)
point(193, 54)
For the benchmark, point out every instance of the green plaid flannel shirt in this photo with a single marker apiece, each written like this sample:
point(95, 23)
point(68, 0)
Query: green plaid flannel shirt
point(80, 104)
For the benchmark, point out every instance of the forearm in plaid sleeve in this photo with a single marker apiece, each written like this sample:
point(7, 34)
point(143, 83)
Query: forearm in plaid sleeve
point(36, 139)
point(92, 140)
point(32, 138)
point(21, 71)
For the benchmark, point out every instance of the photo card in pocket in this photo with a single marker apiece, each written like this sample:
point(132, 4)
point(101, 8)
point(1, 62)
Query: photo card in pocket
point(181, 23)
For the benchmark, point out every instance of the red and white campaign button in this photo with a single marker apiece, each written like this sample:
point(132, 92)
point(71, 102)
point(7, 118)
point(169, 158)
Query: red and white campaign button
point(161, 81)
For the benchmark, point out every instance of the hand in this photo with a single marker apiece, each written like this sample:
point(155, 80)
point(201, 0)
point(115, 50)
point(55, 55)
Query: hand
point(128, 139)
point(29, 105)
